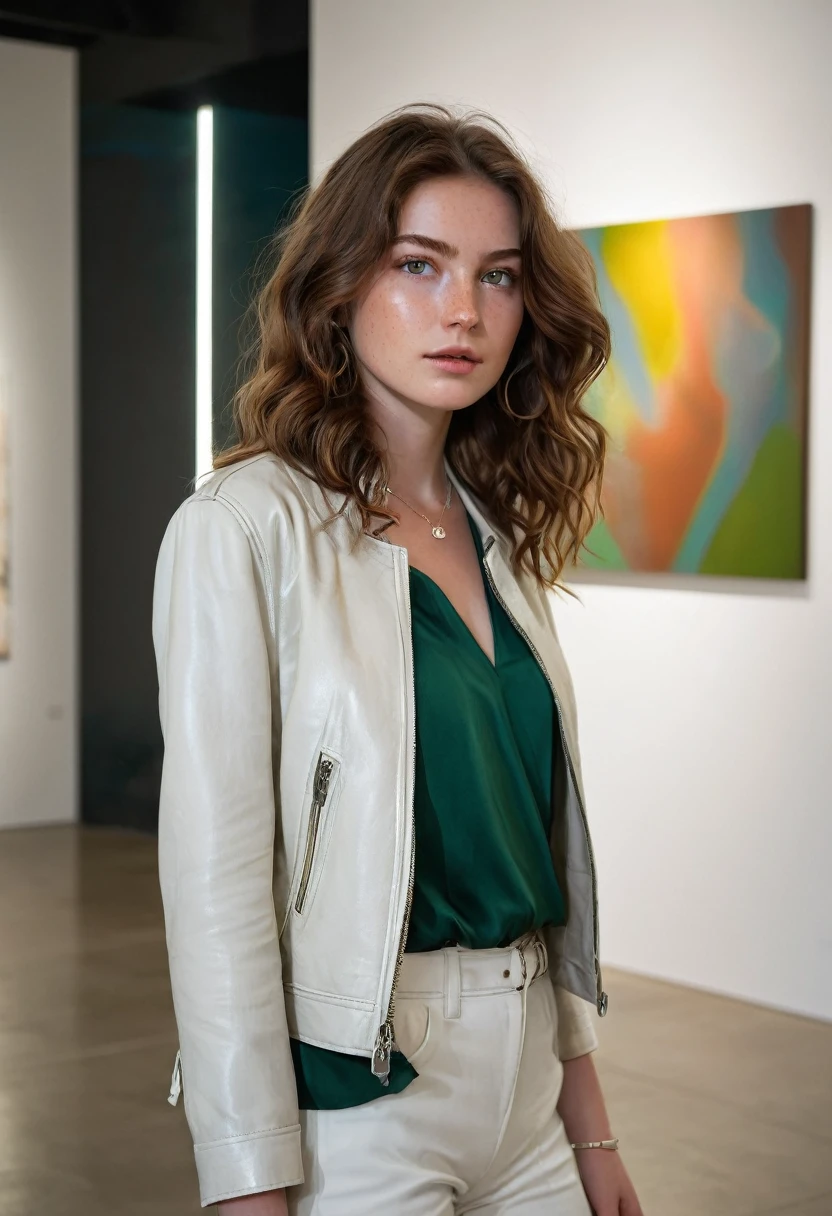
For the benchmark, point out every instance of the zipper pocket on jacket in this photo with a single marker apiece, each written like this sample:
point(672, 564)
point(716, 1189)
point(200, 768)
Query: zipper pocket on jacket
point(320, 791)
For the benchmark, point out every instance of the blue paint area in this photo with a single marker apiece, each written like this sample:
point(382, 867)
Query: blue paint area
point(750, 370)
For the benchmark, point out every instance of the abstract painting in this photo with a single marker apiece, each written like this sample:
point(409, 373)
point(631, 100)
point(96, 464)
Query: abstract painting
point(705, 395)
point(4, 524)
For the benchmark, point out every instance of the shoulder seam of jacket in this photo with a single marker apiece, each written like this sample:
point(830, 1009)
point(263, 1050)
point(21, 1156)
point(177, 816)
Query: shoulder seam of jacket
point(250, 530)
point(220, 476)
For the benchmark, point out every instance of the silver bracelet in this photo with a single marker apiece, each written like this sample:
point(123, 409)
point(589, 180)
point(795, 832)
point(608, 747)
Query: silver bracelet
point(610, 1144)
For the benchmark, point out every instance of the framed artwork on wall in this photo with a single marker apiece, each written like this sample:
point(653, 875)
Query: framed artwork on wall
point(705, 397)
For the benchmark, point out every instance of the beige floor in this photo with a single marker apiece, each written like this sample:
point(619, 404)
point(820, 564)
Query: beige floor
point(723, 1108)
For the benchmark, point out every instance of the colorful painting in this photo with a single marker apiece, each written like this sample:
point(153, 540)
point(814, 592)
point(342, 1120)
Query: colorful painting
point(705, 396)
point(4, 525)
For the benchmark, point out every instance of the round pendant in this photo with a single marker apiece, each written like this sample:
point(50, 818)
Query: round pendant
point(439, 533)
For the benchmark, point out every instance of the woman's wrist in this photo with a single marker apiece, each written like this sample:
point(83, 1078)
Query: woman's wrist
point(581, 1102)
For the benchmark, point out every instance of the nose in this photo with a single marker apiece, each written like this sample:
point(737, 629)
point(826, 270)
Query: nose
point(460, 304)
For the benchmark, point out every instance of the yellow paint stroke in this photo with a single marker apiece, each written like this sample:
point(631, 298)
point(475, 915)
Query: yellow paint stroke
point(639, 262)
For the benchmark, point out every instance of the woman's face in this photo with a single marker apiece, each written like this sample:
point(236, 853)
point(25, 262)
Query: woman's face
point(450, 283)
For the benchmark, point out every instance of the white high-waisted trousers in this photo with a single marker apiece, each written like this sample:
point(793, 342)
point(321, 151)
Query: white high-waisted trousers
point(478, 1129)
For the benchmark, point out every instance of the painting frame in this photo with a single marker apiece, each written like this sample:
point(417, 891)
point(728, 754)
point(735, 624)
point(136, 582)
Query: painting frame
point(706, 396)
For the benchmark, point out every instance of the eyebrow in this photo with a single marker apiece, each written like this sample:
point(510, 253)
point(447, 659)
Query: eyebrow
point(449, 251)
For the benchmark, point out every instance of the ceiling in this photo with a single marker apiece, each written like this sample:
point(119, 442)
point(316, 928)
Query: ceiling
point(177, 53)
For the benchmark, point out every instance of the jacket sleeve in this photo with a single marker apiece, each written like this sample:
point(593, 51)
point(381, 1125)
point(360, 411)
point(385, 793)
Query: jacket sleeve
point(576, 1031)
point(212, 600)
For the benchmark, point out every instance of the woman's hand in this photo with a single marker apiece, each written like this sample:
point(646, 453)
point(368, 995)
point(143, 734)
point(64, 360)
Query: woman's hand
point(606, 1183)
point(581, 1106)
point(264, 1203)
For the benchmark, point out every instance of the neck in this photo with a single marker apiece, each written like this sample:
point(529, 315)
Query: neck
point(413, 443)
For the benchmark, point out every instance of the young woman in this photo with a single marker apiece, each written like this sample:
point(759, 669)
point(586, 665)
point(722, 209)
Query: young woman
point(378, 882)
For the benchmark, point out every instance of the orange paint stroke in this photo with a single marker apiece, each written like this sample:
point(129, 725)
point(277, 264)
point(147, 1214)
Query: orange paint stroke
point(671, 462)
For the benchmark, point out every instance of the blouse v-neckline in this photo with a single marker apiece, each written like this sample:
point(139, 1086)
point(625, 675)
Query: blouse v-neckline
point(447, 600)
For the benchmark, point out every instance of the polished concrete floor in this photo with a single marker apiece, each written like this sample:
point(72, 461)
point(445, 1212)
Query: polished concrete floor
point(723, 1108)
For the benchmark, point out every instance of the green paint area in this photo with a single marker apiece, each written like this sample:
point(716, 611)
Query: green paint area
point(609, 556)
point(761, 534)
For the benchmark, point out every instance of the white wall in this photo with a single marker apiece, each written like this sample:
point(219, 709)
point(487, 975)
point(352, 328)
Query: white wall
point(706, 706)
point(38, 717)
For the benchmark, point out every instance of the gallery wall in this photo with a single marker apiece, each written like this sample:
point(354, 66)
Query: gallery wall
point(38, 719)
point(705, 705)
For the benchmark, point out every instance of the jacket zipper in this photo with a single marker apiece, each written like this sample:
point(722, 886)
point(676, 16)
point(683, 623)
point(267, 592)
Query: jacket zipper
point(323, 771)
point(385, 1039)
point(601, 996)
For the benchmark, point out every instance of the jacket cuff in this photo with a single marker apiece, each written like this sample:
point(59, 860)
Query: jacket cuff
point(245, 1165)
point(576, 1032)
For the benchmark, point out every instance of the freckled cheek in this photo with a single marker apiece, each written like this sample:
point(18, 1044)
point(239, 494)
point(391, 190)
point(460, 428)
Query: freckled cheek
point(401, 317)
point(503, 321)
point(390, 328)
point(409, 309)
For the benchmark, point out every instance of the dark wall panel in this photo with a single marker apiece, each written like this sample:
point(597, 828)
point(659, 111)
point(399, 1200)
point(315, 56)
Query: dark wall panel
point(260, 168)
point(138, 275)
point(138, 257)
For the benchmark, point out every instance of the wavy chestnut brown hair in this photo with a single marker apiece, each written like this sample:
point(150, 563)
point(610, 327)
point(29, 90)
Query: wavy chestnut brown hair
point(527, 449)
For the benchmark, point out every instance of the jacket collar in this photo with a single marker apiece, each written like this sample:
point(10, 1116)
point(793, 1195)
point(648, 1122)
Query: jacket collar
point(318, 501)
point(487, 528)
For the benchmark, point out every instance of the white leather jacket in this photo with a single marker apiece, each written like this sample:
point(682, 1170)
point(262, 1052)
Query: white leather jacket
point(286, 815)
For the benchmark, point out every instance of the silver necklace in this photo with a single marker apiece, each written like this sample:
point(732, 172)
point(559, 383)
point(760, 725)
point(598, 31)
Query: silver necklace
point(436, 528)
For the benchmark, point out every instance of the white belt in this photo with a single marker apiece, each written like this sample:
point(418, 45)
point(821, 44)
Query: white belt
point(456, 971)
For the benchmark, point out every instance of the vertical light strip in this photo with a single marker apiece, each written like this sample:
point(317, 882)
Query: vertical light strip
point(204, 287)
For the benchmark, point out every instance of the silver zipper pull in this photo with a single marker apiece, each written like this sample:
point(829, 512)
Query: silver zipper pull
point(322, 780)
point(176, 1081)
point(381, 1053)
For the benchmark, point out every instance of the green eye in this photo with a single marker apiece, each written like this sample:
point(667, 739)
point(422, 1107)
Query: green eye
point(499, 273)
point(416, 262)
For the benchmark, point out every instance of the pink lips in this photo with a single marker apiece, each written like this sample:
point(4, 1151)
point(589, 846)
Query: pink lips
point(459, 367)
point(458, 360)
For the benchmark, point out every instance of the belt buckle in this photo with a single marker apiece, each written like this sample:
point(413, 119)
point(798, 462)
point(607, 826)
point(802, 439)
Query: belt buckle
point(541, 957)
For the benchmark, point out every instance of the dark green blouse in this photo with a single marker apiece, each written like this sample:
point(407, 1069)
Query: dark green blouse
point(482, 806)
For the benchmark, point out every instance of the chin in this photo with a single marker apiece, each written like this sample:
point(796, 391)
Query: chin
point(449, 402)
point(451, 396)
